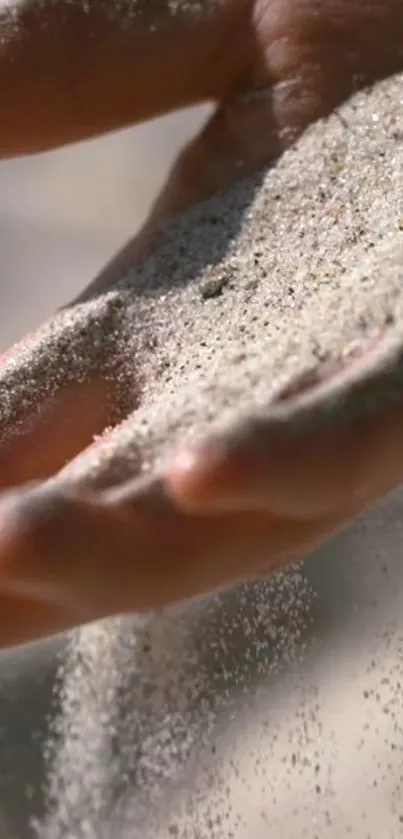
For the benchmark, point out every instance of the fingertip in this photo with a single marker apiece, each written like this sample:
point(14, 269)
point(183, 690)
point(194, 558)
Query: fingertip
point(209, 477)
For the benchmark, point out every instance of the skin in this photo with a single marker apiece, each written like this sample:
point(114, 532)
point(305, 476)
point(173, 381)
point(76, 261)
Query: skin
point(273, 67)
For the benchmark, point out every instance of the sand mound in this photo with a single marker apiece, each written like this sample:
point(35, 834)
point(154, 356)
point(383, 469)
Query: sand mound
point(286, 272)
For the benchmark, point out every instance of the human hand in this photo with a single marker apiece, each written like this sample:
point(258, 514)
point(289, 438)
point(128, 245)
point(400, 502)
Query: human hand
point(236, 508)
point(231, 512)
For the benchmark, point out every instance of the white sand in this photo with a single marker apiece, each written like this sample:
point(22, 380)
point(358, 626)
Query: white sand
point(309, 263)
point(175, 728)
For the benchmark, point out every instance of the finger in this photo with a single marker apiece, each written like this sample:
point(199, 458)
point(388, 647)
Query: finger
point(306, 472)
point(319, 54)
point(57, 391)
point(93, 558)
point(73, 70)
point(87, 68)
point(56, 434)
point(299, 61)
point(23, 620)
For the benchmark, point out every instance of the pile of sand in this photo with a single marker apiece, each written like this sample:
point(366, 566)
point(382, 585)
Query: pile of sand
point(285, 271)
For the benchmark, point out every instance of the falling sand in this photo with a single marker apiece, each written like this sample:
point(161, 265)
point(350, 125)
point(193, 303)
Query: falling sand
point(286, 272)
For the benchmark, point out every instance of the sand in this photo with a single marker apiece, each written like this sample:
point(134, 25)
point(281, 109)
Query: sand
point(284, 272)
point(238, 298)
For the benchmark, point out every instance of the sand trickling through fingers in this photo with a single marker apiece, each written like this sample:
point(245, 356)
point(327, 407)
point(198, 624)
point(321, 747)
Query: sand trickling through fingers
point(297, 266)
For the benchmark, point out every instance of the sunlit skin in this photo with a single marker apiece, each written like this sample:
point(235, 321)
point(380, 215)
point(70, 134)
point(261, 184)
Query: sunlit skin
point(74, 70)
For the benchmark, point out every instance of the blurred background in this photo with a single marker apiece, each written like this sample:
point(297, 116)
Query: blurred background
point(64, 213)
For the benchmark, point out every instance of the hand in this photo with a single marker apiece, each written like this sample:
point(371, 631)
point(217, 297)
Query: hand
point(222, 514)
point(228, 513)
